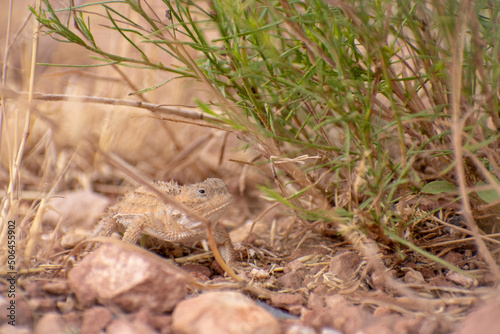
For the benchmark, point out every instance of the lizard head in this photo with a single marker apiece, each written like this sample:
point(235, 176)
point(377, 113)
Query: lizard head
point(209, 198)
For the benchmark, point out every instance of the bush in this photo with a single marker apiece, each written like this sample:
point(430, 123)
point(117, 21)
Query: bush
point(361, 112)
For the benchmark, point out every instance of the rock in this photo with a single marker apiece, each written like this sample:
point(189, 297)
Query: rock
point(95, 320)
point(162, 323)
point(73, 238)
point(9, 329)
point(454, 258)
point(43, 305)
point(123, 326)
point(484, 320)
point(294, 265)
point(465, 281)
point(315, 301)
point(292, 280)
point(338, 314)
point(286, 300)
point(441, 282)
point(51, 323)
point(201, 273)
point(73, 320)
point(24, 313)
point(345, 265)
point(308, 251)
point(76, 208)
point(56, 288)
point(413, 277)
point(299, 329)
point(114, 274)
point(259, 274)
point(222, 313)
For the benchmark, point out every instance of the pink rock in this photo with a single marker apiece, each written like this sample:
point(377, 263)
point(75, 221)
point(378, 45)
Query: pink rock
point(222, 313)
point(344, 265)
point(95, 320)
point(117, 275)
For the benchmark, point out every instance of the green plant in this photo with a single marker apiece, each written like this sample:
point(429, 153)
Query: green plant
point(352, 107)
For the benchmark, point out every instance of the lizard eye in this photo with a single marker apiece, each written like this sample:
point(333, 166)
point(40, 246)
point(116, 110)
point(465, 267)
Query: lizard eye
point(202, 191)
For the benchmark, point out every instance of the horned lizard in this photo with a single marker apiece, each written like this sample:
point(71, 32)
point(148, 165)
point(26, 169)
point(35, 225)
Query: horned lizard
point(142, 212)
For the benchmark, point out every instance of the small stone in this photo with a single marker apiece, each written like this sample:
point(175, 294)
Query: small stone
point(442, 282)
point(284, 300)
point(114, 274)
point(73, 238)
point(222, 312)
point(489, 279)
point(468, 282)
point(413, 277)
point(308, 251)
point(292, 280)
point(299, 329)
point(24, 313)
point(454, 258)
point(201, 273)
point(427, 272)
point(56, 288)
point(315, 301)
point(345, 265)
point(66, 306)
point(485, 319)
point(73, 320)
point(9, 329)
point(51, 323)
point(95, 320)
point(339, 314)
point(337, 302)
point(76, 208)
point(294, 265)
point(378, 280)
point(123, 326)
point(162, 323)
point(42, 304)
point(259, 274)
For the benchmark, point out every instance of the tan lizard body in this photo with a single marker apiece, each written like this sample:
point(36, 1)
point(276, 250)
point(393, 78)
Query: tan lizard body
point(142, 212)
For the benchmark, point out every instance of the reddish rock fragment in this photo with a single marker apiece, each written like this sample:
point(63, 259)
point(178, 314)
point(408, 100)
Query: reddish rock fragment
point(345, 265)
point(52, 323)
point(162, 323)
point(291, 302)
point(42, 304)
point(95, 320)
point(222, 313)
point(294, 265)
point(76, 208)
point(305, 251)
point(442, 282)
point(116, 275)
point(285, 300)
point(56, 288)
point(123, 326)
point(201, 273)
point(465, 281)
point(292, 280)
point(301, 329)
point(315, 301)
point(338, 314)
point(454, 258)
point(484, 320)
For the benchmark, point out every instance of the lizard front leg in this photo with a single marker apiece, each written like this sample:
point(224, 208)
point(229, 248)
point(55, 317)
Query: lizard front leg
point(134, 226)
point(106, 227)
